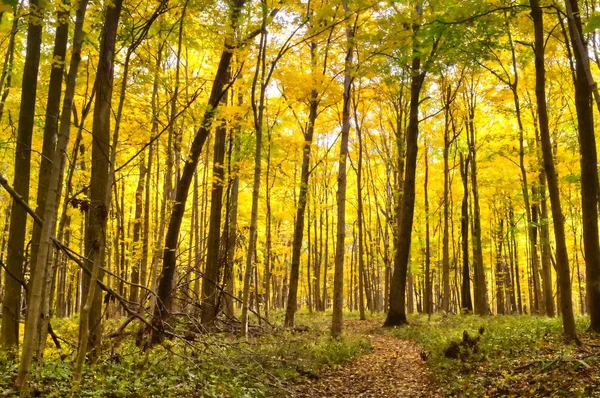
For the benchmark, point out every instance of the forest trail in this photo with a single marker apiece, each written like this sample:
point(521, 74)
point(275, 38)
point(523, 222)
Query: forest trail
point(393, 369)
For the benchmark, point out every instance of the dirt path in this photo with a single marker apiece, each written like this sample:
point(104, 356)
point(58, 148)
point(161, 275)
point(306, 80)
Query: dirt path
point(393, 369)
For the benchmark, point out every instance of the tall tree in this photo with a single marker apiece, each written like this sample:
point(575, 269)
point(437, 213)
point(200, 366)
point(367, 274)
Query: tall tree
point(588, 162)
point(165, 286)
point(15, 259)
point(211, 274)
point(90, 330)
point(479, 284)
point(562, 257)
point(396, 314)
point(258, 109)
point(308, 133)
point(340, 245)
point(466, 303)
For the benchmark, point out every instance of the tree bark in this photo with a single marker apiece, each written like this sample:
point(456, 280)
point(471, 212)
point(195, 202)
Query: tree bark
point(15, 260)
point(428, 281)
point(165, 287)
point(479, 284)
point(90, 330)
point(50, 126)
point(562, 258)
point(466, 303)
point(589, 172)
point(397, 314)
point(258, 108)
point(337, 321)
point(299, 220)
point(213, 265)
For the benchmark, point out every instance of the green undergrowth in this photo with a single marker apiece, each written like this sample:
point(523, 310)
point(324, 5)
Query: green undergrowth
point(216, 365)
point(515, 356)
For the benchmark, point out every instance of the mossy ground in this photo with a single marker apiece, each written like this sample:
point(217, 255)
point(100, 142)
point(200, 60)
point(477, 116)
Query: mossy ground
point(516, 356)
point(213, 365)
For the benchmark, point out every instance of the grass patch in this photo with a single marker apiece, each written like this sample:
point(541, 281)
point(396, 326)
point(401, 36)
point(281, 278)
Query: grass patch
point(515, 356)
point(219, 365)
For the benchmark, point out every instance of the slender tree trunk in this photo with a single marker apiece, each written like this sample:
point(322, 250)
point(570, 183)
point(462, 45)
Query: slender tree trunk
point(513, 238)
point(562, 258)
point(299, 220)
point(48, 195)
point(466, 303)
point(90, 330)
point(396, 314)
point(213, 265)
point(359, 187)
point(268, 236)
point(15, 260)
point(500, 306)
point(232, 211)
point(258, 108)
point(146, 223)
point(325, 298)
point(428, 281)
point(445, 238)
point(337, 321)
point(589, 172)
point(479, 284)
point(165, 287)
point(529, 207)
point(545, 245)
point(50, 128)
point(137, 229)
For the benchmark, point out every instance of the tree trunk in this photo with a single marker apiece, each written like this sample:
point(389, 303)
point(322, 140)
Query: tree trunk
point(562, 258)
point(232, 212)
point(500, 305)
point(137, 229)
point(15, 260)
point(90, 330)
point(589, 172)
point(47, 200)
point(545, 245)
point(210, 280)
point(50, 128)
point(337, 321)
point(466, 303)
point(162, 311)
point(258, 108)
point(428, 281)
point(479, 285)
point(359, 210)
point(299, 220)
point(396, 314)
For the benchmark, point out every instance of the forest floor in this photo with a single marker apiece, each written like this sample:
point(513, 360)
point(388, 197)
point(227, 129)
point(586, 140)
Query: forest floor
point(437, 356)
point(462, 356)
point(393, 368)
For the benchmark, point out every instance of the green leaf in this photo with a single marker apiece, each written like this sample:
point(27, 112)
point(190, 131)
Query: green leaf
point(8, 5)
point(593, 23)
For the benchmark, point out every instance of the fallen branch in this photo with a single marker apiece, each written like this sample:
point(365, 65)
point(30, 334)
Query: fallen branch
point(547, 365)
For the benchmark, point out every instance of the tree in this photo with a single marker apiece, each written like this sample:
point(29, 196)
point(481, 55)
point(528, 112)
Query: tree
point(308, 133)
point(340, 245)
point(588, 162)
point(165, 286)
point(90, 318)
point(465, 292)
point(15, 260)
point(396, 314)
point(562, 257)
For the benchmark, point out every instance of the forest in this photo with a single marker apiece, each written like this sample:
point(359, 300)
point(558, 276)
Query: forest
point(299, 198)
